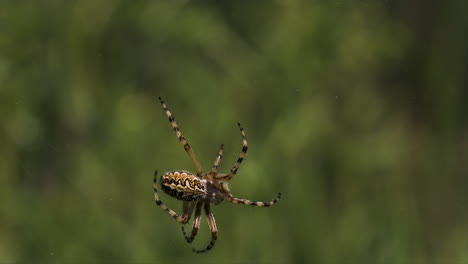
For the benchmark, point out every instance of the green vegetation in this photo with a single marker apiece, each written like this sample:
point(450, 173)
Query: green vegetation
point(354, 110)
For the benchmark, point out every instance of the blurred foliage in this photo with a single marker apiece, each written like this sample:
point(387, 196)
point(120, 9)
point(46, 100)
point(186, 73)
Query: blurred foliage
point(354, 110)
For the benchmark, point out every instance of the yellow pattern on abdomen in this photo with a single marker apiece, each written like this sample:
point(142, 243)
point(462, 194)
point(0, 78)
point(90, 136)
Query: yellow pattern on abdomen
point(183, 185)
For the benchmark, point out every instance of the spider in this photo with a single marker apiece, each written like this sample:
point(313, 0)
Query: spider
point(199, 190)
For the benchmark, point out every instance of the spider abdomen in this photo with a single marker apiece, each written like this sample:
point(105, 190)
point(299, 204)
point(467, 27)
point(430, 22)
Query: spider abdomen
point(183, 185)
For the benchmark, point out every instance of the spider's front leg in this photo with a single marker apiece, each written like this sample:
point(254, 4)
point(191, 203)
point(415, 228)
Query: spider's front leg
point(186, 210)
point(242, 154)
point(181, 138)
point(235, 200)
point(214, 171)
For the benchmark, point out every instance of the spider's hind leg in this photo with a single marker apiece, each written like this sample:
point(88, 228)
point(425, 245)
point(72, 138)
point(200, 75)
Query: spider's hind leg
point(196, 224)
point(214, 230)
point(185, 211)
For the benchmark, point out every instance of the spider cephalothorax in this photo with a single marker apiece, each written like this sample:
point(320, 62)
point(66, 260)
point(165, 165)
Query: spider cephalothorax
point(197, 190)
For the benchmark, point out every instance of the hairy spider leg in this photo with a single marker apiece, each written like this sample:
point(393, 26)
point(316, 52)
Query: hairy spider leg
point(187, 209)
point(242, 154)
point(196, 224)
point(212, 174)
point(182, 139)
point(235, 200)
point(214, 230)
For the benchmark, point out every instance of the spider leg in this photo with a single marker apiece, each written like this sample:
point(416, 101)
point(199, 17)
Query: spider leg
point(214, 230)
point(254, 203)
point(234, 169)
point(187, 209)
point(196, 224)
point(235, 200)
point(214, 170)
point(185, 214)
point(181, 138)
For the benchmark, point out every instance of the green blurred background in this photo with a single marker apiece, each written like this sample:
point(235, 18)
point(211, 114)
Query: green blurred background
point(354, 110)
